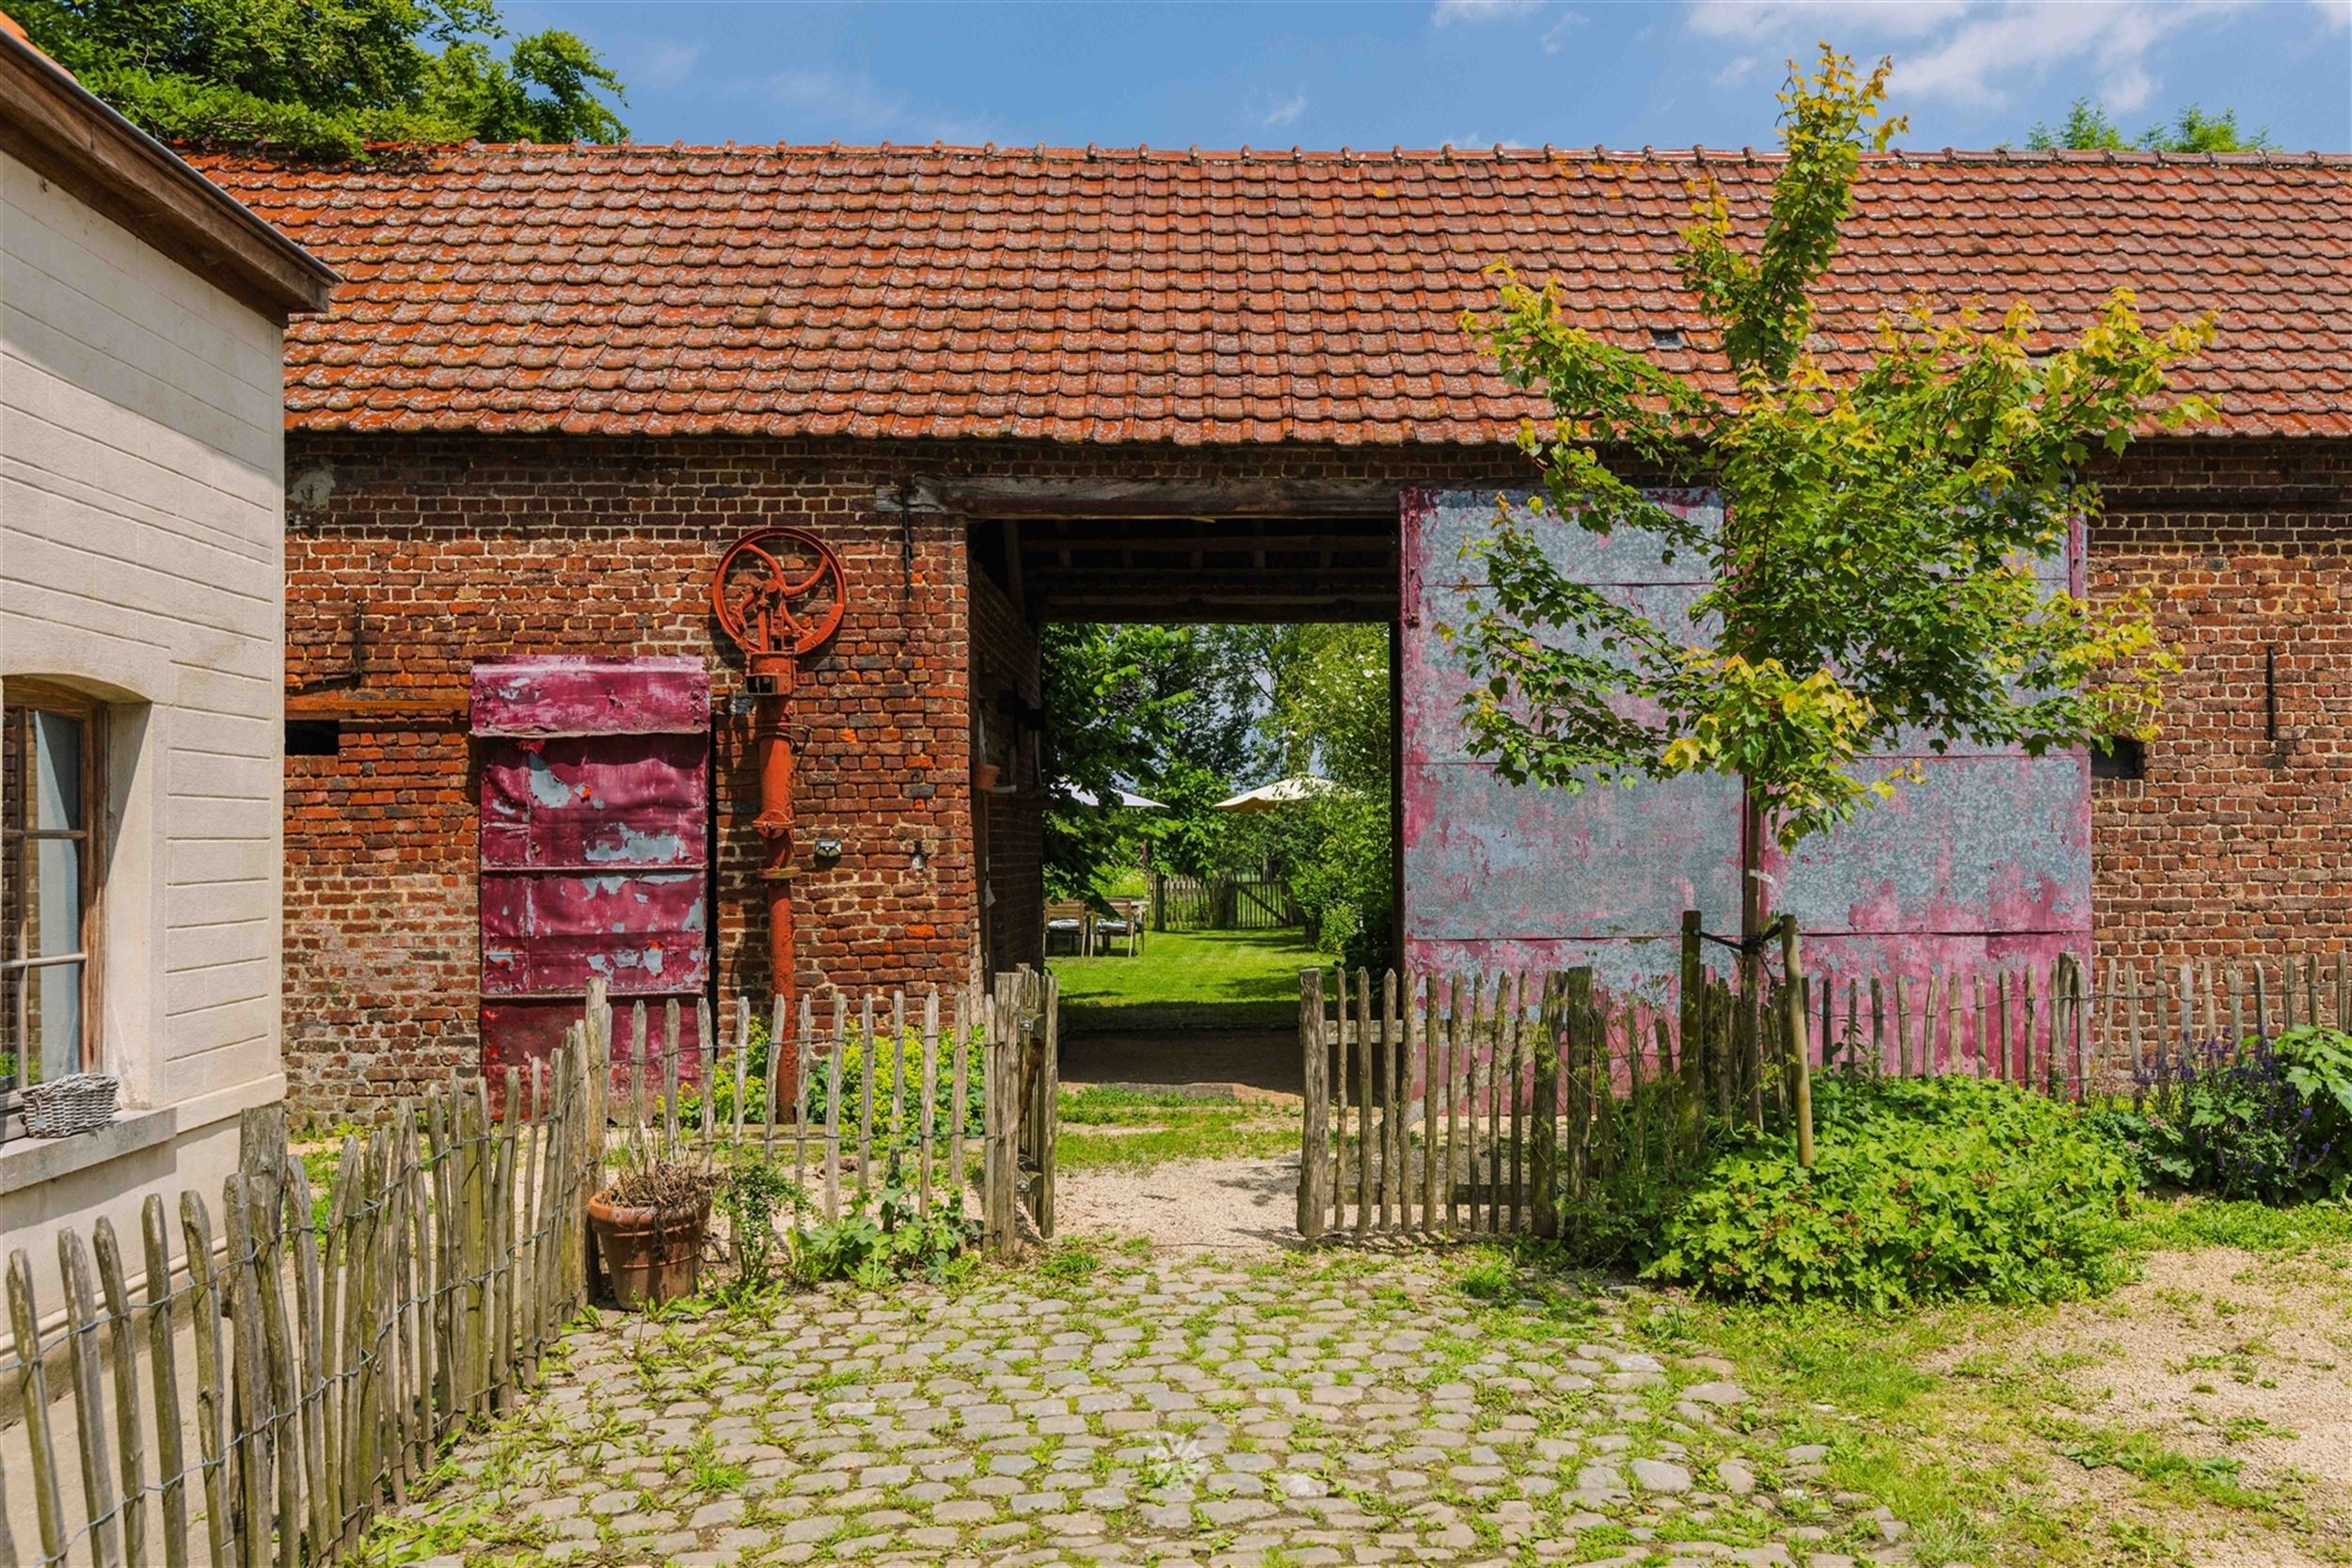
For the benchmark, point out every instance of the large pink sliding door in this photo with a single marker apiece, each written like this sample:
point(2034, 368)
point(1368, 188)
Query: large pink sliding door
point(595, 798)
point(1986, 862)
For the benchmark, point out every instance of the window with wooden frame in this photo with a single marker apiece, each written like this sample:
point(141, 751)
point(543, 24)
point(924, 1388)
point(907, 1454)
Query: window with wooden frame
point(52, 748)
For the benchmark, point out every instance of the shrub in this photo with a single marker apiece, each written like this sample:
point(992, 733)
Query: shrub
point(894, 1241)
point(2268, 1119)
point(2150, 1144)
point(1922, 1190)
point(755, 1193)
point(902, 1068)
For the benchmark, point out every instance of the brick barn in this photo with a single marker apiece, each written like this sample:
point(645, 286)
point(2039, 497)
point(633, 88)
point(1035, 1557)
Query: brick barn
point(1015, 386)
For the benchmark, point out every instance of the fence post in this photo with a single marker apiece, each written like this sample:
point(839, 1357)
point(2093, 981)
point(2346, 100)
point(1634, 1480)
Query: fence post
point(1001, 1058)
point(1049, 1094)
point(2078, 1023)
point(251, 1441)
point(597, 1046)
point(1793, 969)
point(212, 1380)
point(1577, 986)
point(309, 1316)
point(170, 1446)
point(1544, 1172)
point(33, 1395)
point(114, 1297)
point(262, 1133)
point(1691, 1113)
point(1315, 1066)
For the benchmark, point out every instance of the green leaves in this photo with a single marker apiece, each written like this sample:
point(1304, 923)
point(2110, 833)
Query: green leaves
point(1885, 521)
point(2318, 1062)
point(324, 78)
point(1922, 1190)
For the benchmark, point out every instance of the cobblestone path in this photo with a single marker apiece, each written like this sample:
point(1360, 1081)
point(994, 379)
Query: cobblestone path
point(1158, 1409)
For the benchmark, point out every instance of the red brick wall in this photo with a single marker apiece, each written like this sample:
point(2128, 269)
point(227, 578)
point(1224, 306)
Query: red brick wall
point(459, 549)
point(2231, 843)
point(458, 552)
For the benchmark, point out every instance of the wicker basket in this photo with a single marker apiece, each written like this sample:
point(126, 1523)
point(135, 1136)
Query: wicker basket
point(79, 1102)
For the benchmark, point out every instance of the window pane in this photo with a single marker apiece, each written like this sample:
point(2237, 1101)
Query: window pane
point(52, 897)
point(56, 771)
point(15, 1072)
point(40, 1024)
point(54, 1023)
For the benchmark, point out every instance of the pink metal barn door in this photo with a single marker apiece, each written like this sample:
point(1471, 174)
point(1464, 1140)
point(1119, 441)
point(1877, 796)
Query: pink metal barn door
point(1984, 862)
point(594, 800)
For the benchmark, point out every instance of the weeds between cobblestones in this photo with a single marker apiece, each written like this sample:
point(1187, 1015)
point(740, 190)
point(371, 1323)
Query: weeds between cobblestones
point(1121, 1406)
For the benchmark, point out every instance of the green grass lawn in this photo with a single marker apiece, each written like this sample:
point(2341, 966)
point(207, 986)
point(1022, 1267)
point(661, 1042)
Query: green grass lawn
point(1120, 1129)
point(1188, 980)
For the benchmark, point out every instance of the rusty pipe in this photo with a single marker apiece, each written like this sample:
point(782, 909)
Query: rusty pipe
point(772, 749)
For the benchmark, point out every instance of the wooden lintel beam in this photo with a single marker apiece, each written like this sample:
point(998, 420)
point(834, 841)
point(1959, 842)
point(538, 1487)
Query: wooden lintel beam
point(1022, 496)
point(1195, 611)
point(1142, 533)
point(389, 709)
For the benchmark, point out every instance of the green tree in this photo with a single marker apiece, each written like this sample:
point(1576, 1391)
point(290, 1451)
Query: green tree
point(1167, 711)
point(1873, 571)
point(1187, 715)
point(1328, 709)
point(324, 78)
point(1329, 714)
point(2087, 127)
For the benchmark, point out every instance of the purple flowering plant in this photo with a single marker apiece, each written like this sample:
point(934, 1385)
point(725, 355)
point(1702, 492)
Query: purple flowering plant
point(2268, 1118)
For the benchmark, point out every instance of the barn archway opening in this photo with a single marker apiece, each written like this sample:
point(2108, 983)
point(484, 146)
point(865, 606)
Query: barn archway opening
point(1208, 778)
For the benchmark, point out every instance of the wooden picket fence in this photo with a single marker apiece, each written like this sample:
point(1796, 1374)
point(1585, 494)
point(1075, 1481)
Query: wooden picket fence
point(1448, 1104)
point(905, 1122)
point(333, 1356)
point(1253, 900)
point(355, 1343)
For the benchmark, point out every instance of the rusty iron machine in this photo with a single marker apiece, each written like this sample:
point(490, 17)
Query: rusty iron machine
point(779, 592)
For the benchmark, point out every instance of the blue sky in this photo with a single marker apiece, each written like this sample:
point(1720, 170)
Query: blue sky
point(1969, 72)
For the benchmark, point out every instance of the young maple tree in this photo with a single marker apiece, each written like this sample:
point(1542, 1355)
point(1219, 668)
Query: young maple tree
point(1873, 571)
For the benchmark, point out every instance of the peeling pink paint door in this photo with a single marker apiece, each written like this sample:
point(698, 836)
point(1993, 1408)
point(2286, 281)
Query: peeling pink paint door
point(1986, 862)
point(594, 811)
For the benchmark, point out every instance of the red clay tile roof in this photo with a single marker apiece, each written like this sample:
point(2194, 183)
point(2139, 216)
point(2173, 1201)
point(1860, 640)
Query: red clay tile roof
point(1080, 295)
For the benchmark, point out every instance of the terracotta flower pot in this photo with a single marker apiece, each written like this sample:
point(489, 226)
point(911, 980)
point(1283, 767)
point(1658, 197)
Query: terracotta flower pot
point(984, 777)
point(651, 1255)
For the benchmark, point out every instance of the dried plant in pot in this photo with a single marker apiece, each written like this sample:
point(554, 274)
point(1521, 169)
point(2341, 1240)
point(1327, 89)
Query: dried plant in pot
point(652, 1217)
point(650, 1224)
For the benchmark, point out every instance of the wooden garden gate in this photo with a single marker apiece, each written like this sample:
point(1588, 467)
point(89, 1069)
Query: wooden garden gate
point(1506, 1103)
point(1025, 1005)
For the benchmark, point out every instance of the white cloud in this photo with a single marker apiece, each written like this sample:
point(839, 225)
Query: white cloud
point(2338, 13)
point(1447, 13)
point(658, 64)
point(1968, 52)
point(2113, 42)
point(1763, 21)
point(855, 103)
point(1556, 35)
point(1284, 113)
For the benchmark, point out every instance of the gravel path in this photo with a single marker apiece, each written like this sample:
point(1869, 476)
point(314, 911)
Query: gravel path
point(1177, 1409)
point(2222, 1354)
point(1240, 1206)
